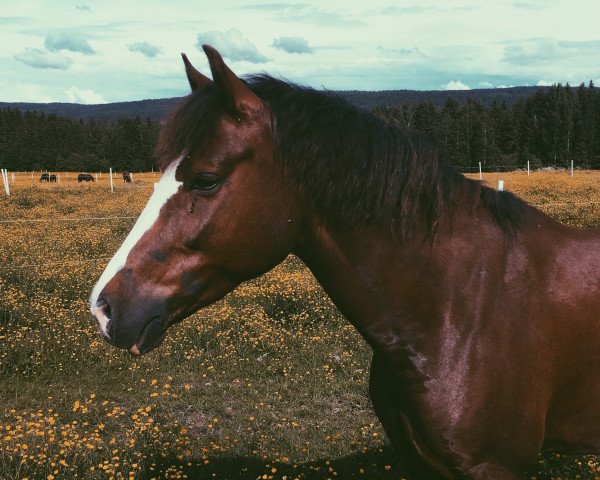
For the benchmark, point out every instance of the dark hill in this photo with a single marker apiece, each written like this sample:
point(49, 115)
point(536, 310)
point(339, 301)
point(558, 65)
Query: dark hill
point(145, 109)
point(157, 109)
point(485, 97)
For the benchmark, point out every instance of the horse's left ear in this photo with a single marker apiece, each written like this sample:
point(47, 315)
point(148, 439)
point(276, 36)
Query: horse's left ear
point(238, 96)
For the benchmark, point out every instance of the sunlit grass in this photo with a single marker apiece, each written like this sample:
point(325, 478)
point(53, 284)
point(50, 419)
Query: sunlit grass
point(270, 382)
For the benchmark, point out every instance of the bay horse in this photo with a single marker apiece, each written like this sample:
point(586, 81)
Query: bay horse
point(126, 177)
point(482, 312)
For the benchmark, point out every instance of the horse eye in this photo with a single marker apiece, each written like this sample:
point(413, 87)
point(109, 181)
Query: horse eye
point(204, 183)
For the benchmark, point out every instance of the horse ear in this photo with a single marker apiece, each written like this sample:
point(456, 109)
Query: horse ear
point(238, 96)
point(196, 79)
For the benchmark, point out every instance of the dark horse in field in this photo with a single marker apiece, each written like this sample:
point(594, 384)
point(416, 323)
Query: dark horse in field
point(126, 177)
point(85, 177)
point(47, 177)
point(483, 313)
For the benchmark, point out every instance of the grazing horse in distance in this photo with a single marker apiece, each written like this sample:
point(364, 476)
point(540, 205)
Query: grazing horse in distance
point(85, 177)
point(483, 313)
point(126, 177)
point(47, 177)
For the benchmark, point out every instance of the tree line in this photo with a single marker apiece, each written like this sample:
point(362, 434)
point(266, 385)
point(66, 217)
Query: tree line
point(551, 127)
point(36, 141)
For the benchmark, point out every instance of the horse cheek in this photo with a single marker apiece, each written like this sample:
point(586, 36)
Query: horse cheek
point(262, 239)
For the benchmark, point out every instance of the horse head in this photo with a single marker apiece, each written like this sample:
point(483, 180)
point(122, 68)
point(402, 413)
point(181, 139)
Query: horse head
point(222, 213)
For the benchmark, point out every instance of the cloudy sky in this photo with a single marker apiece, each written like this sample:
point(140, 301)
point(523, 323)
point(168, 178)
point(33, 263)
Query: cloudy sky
point(96, 51)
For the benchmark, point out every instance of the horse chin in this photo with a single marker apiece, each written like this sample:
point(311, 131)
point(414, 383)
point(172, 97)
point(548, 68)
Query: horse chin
point(151, 337)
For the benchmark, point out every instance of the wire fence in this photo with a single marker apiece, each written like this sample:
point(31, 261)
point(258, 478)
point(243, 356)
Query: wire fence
point(110, 180)
point(67, 219)
point(55, 263)
point(62, 262)
point(63, 179)
point(523, 167)
point(86, 219)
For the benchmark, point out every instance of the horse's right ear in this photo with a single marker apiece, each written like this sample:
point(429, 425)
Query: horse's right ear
point(238, 97)
point(196, 79)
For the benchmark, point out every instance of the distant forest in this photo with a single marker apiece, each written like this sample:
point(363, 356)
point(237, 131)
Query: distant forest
point(36, 141)
point(548, 127)
point(552, 127)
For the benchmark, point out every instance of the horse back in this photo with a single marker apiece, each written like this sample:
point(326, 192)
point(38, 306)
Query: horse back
point(563, 306)
point(519, 340)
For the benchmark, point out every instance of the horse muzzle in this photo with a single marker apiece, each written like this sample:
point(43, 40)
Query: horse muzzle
point(137, 330)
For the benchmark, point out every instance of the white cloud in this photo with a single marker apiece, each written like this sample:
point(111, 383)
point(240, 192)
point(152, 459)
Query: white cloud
point(550, 51)
point(232, 45)
point(292, 45)
point(309, 13)
point(456, 85)
point(145, 48)
point(532, 51)
point(71, 41)
point(76, 95)
point(37, 58)
point(403, 52)
point(545, 83)
point(356, 45)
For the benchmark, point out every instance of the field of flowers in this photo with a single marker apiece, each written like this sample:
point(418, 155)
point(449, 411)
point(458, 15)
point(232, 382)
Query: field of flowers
point(269, 383)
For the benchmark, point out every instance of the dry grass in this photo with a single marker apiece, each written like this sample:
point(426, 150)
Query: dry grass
point(271, 382)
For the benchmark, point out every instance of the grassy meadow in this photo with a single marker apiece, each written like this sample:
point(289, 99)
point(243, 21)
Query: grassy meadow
point(269, 383)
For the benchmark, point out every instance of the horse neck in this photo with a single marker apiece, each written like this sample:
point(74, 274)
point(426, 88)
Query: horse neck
point(392, 291)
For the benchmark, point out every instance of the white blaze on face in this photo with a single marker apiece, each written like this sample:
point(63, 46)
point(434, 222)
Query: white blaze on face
point(165, 189)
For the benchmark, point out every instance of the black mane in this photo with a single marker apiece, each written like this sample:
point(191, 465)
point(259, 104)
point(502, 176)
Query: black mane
point(355, 169)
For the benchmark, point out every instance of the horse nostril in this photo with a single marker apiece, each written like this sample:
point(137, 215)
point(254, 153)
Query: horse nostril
point(103, 316)
point(104, 307)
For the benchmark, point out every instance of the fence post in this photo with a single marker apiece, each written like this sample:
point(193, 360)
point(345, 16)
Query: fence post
point(527, 167)
point(500, 185)
point(571, 167)
point(111, 180)
point(480, 173)
point(5, 180)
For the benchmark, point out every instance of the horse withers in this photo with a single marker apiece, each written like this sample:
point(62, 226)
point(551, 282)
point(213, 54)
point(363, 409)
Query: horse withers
point(483, 313)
